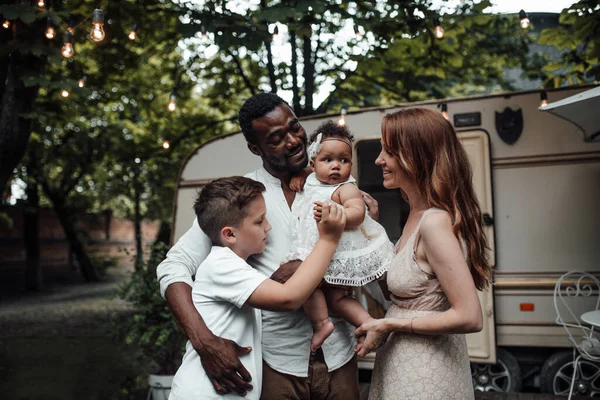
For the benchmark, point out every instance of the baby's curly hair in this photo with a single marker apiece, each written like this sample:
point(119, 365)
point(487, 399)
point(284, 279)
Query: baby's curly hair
point(331, 129)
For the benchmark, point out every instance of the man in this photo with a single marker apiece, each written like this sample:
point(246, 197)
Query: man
point(273, 133)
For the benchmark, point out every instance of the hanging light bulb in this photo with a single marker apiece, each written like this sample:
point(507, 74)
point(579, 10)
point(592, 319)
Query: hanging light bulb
point(356, 30)
point(6, 24)
point(41, 3)
point(171, 106)
point(70, 26)
point(166, 144)
point(438, 31)
point(133, 32)
point(97, 31)
point(67, 49)
point(276, 31)
point(81, 81)
point(445, 110)
point(50, 31)
point(203, 32)
point(342, 120)
point(543, 99)
point(524, 20)
point(64, 93)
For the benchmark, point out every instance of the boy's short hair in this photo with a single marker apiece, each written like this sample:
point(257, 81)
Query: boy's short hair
point(331, 129)
point(223, 203)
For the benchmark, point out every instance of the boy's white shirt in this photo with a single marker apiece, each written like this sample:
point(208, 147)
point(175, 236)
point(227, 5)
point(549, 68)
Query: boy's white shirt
point(224, 282)
point(285, 335)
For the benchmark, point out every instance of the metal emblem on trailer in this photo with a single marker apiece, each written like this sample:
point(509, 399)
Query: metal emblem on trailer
point(509, 125)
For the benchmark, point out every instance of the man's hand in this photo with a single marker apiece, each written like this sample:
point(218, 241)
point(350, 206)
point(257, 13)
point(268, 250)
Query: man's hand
point(297, 181)
point(285, 271)
point(220, 359)
point(372, 205)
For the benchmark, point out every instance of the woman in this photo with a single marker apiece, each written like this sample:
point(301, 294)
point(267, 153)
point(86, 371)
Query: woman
point(440, 261)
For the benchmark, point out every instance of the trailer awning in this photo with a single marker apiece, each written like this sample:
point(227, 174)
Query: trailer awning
point(583, 110)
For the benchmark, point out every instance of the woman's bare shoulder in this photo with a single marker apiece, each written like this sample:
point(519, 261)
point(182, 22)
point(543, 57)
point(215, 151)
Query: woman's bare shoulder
point(436, 223)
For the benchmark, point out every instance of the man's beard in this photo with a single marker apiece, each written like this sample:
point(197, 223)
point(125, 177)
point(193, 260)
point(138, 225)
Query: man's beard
point(283, 164)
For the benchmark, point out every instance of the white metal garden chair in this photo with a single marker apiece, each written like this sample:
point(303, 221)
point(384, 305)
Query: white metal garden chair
point(584, 338)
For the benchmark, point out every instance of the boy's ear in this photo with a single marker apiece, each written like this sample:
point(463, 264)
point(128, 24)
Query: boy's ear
point(254, 149)
point(228, 235)
point(312, 164)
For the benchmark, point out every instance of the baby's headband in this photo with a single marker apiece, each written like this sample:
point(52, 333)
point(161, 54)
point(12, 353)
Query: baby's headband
point(315, 146)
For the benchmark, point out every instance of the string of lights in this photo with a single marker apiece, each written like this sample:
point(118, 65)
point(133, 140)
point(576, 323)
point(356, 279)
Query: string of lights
point(98, 34)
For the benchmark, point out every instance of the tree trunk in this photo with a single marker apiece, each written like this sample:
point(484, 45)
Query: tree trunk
point(309, 76)
point(294, 71)
point(31, 234)
point(270, 66)
point(137, 223)
point(88, 269)
point(15, 101)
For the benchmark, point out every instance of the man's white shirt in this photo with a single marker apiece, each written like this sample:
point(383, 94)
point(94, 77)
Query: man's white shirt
point(224, 282)
point(286, 336)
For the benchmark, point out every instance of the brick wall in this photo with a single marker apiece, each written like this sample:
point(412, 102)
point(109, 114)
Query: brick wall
point(104, 235)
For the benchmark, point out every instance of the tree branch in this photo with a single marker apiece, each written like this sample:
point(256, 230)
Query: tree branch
point(241, 70)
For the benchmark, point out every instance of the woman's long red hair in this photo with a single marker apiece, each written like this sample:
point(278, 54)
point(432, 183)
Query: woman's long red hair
point(427, 148)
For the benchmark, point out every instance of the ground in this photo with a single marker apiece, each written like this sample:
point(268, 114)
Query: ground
point(55, 344)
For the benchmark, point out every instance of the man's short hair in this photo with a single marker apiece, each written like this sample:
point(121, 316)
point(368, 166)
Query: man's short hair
point(223, 202)
point(331, 129)
point(254, 108)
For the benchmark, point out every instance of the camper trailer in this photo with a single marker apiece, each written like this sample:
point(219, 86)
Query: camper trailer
point(538, 183)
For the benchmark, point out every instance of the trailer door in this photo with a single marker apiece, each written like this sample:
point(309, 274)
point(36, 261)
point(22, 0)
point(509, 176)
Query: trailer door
point(482, 345)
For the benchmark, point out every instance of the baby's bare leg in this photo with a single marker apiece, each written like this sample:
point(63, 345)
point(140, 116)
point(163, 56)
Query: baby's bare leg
point(315, 308)
point(346, 306)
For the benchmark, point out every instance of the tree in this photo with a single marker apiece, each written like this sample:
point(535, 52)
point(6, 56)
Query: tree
point(23, 55)
point(578, 36)
point(72, 136)
point(373, 52)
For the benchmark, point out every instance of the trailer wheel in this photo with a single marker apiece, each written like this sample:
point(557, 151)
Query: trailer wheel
point(557, 373)
point(504, 376)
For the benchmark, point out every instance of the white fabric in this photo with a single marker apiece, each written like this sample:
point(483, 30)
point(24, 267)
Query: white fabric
point(285, 335)
point(363, 254)
point(223, 284)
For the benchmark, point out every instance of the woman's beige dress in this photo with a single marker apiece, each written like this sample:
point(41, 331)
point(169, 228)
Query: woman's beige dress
point(413, 366)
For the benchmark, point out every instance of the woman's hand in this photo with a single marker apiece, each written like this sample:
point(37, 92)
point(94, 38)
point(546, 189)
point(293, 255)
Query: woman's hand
point(371, 335)
point(372, 205)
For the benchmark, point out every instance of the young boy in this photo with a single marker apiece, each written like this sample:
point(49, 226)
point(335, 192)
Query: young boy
point(227, 291)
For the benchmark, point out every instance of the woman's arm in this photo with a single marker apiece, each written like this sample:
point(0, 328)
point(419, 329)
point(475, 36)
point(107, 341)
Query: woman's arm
point(443, 253)
point(354, 205)
point(271, 295)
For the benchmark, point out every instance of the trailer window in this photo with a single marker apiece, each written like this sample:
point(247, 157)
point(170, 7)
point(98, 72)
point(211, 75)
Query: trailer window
point(393, 210)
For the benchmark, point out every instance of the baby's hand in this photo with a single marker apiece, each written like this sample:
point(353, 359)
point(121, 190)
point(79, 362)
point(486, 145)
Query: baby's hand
point(318, 210)
point(297, 181)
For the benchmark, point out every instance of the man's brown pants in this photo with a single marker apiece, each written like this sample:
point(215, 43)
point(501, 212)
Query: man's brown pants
point(341, 384)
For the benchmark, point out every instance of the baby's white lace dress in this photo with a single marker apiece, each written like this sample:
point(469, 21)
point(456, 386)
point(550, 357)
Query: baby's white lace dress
point(363, 254)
